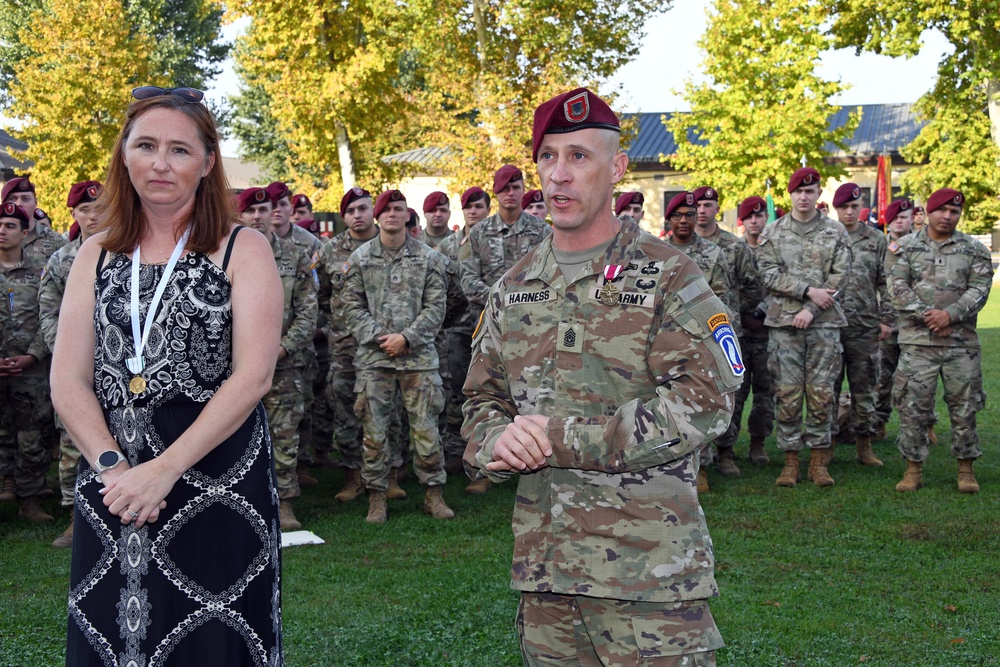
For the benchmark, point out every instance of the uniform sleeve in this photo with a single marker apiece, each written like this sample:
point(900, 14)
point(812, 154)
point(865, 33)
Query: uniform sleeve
point(471, 269)
point(304, 307)
point(750, 284)
point(980, 281)
point(427, 324)
point(775, 276)
point(324, 288)
point(365, 329)
point(50, 294)
point(887, 315)
point(904, 298)
point(457, 304)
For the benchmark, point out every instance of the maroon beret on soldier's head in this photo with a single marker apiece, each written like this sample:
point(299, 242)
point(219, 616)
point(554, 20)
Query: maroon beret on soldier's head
point(21, 184)
point(472, 194)
point(896, 207)
point(83, 192)
point(847, 192)
point(252, 197)
point(578, 109)
point(12, 210)
point(864, 214)
point(530, 197)
point(278, 190)
point(300, 200)
point(433, 200)
point(352, 196)
point(705, 193)
point(74, 231)
point(751, 205)
point(309, 225)
point(682, 199)
point(504, 176)
point(944, 196)
point(39, 214)
point(386, 197)
point(627, 198)
point(803, 176)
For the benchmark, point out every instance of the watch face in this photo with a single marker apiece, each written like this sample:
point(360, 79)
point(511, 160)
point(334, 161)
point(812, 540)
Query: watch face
point(107, 459)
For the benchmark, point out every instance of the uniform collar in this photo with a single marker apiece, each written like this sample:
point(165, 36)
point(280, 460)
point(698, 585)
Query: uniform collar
point(620, 252)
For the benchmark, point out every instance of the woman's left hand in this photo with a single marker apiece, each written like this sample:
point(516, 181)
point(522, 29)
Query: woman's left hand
point(138, 494)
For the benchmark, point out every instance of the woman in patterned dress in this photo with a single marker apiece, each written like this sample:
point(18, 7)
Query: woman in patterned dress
point(176, 551)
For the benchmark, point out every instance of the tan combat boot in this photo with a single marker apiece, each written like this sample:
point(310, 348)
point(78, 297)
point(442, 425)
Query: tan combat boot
point(353, 487)
point(8, 493)
point(32, 511)
point(376, 507)
point(479, 487)
point(703, 486)
point(395, 491)
point(287, 516)
point(931, 435)
point(65, 541)
point(757, 453)
point(790, 473)
point(865, 455)
point(818, 473)
point(913, 477)
point(434, 504)
point(726, 466)
point(305, 477)
point(966, 478)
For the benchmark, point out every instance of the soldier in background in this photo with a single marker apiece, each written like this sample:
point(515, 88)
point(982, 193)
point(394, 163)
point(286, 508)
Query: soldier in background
point(25, 453)
point(940, 281)
point(437, 213)
point(41, 240)
point(394, 302)
point(805, 259)
point(752, 212)
point(302, 209)
point(919, 218)
point(81, 201)
point(533, 203)
point(630, 204)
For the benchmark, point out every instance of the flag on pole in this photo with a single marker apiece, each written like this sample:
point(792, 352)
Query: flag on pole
point(771, 213)
point(883, 187)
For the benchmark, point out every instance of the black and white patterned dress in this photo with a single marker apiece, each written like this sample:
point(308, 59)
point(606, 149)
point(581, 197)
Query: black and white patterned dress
point(202, 585)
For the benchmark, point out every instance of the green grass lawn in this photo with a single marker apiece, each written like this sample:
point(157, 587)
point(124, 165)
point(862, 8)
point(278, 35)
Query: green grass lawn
point(854, 574)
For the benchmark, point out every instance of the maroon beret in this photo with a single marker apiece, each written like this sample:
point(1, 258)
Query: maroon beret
point(864, 214)
point(803, 176)
point(847, 192)
point(705, 192)
point(578, 109)
point(74, 231)
point(472, 194)
point(83, 192)
point(11, 210)
point(780, 212)
point(626, 198)
point(944, 196)
point(278, 190)
point(433, 200)
point(530, 197)
point(39, 214)
point(251, 197)
point(300, 200)
point(386, 197)
point(682, 199)
point(309, 225)
point(21, 184)
point(895, 208)
point(504, 176)
point(352, 196)
point(750, 205)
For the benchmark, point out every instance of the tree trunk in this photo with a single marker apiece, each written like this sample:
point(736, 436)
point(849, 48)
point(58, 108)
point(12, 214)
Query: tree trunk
point(345, 156)
point(482, 102)
point(993, 107)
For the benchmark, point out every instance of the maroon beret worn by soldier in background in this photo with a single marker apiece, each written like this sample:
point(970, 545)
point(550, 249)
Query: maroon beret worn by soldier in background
point(576, 110)
point(682, 199)
point(83, 192)
point(413, 220)
point(386, 197)
point(471, 195)
point(39, 214)
point(864, 214)
point(504, 176)
point(74, 231)
point(627, 198)
point(847, 192)
point(895, 208)
point(530, 197)
point(433, 200)
point(751, 205)
point(298, 201)
point(278, 190)
point(352, 196)
point(944, 196)
point(251, 197)
point(803, 176)
point(309, 225)
point(15, 212)
point(21, 184)
point(705, 193)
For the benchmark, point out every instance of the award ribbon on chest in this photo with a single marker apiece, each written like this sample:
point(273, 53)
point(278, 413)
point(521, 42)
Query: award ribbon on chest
point(137, 364)
point(609, 294)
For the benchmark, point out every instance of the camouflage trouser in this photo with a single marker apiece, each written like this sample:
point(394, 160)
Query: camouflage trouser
point(423, 399)
point(914, 390)
point(459, 357)
point(340, 394)
point(860, 365)
point(285, 407)
point(888, 359)
point(444, 370)
point(322, 412)
point(308, 399)
point(803, 363)
point(69, 466)
point(25, 451)
point(757, 378)
point(592, 632)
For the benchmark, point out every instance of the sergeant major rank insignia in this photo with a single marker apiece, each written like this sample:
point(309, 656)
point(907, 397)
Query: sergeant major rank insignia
point(722, 331)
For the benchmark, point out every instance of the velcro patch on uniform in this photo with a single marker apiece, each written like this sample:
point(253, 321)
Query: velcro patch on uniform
point(641, 299)
point(722, 331)
point(569, 337)
point(346, 267)
point(691, 291)
point(541, 296)
point(894, 247)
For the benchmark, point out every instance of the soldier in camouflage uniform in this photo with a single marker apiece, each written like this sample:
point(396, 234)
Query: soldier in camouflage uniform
point(41, 240)
point(533, 203)
point(752, 213)
point(805, 260)
point(81, 201)
point(866, 307)
point(584, 369)
point(285, 403)
point(394, 302)
point(746, 287)
point(940, 281)
point(630, 204)
point(24, 388)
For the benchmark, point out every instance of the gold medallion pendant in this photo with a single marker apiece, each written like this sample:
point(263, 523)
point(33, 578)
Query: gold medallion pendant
point(137, 385)
point(609, 294)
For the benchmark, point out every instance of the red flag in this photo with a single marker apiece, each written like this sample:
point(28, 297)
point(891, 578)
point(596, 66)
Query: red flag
point(883, 187)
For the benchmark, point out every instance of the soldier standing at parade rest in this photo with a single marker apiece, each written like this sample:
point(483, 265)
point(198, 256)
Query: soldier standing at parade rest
point(752, 212)
point(805, 259)
point(285, 402)
point(869, 316)
point(81, 201)
point(630, 204)
point(394, 302)
point(24, 384)
point(586, 363)
point(533, 203)
point(940, 281)
point(41, 240)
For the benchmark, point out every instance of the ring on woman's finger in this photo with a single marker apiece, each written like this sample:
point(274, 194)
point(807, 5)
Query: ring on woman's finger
point(134, 515)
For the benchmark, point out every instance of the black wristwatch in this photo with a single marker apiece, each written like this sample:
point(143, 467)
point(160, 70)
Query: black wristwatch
point(108, 460)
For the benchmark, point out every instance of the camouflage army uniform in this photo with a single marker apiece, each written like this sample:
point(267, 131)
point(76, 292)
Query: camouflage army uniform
point(753, 344)
point(794, 256)
point(41, 242)
point(456, 248)
point(25, 452)
point(434, 241)
point(285, 403)
point(401, 292)
point(955, 276)
point(50, 296)
point(866, 305)
point(888, 347)
point(617, 501)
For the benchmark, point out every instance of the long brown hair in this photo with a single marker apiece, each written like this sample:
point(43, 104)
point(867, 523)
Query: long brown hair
point(120, 208)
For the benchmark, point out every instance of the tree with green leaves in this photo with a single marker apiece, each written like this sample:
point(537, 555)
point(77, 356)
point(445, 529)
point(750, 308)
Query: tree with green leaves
point(763, 106)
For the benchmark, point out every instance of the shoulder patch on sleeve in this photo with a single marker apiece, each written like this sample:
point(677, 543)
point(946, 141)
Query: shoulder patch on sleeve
point(722, 332)
point(691, 291)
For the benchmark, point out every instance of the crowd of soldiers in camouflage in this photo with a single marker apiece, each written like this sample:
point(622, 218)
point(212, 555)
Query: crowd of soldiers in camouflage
point(379, 319)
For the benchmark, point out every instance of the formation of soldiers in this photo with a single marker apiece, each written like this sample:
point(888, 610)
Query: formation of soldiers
point(378, 327)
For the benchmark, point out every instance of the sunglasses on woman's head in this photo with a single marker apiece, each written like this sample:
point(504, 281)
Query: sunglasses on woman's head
point(190, 95)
